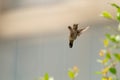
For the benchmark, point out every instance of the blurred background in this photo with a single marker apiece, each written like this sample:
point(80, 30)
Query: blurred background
point(34, 37)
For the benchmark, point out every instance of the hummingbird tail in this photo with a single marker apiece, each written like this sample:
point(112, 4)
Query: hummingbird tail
point(71, 43)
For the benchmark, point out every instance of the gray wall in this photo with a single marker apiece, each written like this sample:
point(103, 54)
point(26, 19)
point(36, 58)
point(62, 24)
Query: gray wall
point(27, 59)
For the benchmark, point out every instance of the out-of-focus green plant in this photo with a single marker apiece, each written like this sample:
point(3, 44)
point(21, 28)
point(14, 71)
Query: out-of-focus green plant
point(73, 72)
point(45, 77)
point(110, 56)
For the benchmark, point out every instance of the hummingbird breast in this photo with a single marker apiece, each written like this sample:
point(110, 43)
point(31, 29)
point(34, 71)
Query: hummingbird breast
point(73, 35)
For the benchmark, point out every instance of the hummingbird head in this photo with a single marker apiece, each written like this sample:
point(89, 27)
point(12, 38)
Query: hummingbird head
point(75, 26)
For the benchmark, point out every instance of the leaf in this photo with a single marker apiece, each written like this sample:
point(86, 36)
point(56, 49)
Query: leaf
point(104, 78)
point(106, 42)
point(115, 5)
point(108, 36)
point(98, 72)
point(108, 55)
point(113, 70)
point(107, 78)
point(71, 74)
point(104, 61)
point(112, 38)
point(118, 14)
point(105, 70)
point(118, 10)
point(46, 76)
point(117, 56)
point(110, 78)
point(107, 15)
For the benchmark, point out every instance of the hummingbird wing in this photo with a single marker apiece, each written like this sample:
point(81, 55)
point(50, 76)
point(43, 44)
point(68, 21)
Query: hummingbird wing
point(70, 28)
point(80, 31)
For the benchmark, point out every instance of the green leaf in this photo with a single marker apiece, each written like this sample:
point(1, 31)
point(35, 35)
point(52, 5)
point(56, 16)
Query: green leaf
point(113, 38)
point(118, 14)
point(118, 10)
point(105, 61)
point(113, 70)
point(108, 55)
point(107, 15)
point(98, 72)
point(117, 56)
point(46, 76)
point(108, 36)
point(106, 42)
point(71, 74)
point(115, 5)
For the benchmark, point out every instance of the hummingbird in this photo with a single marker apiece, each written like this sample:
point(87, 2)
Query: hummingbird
point(74, 32)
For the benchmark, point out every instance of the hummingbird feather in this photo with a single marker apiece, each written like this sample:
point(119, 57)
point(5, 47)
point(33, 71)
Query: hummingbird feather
point(74, 32)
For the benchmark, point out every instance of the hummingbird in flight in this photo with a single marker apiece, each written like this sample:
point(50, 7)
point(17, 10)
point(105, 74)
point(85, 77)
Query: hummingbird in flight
point(74, 32)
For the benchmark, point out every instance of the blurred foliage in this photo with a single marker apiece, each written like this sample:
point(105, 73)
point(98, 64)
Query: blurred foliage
point(107, 15)
point(45, 77)
point(110, 56)
point(73, 72)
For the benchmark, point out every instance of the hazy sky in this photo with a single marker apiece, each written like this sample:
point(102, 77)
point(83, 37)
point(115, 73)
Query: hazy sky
point(50, 16)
